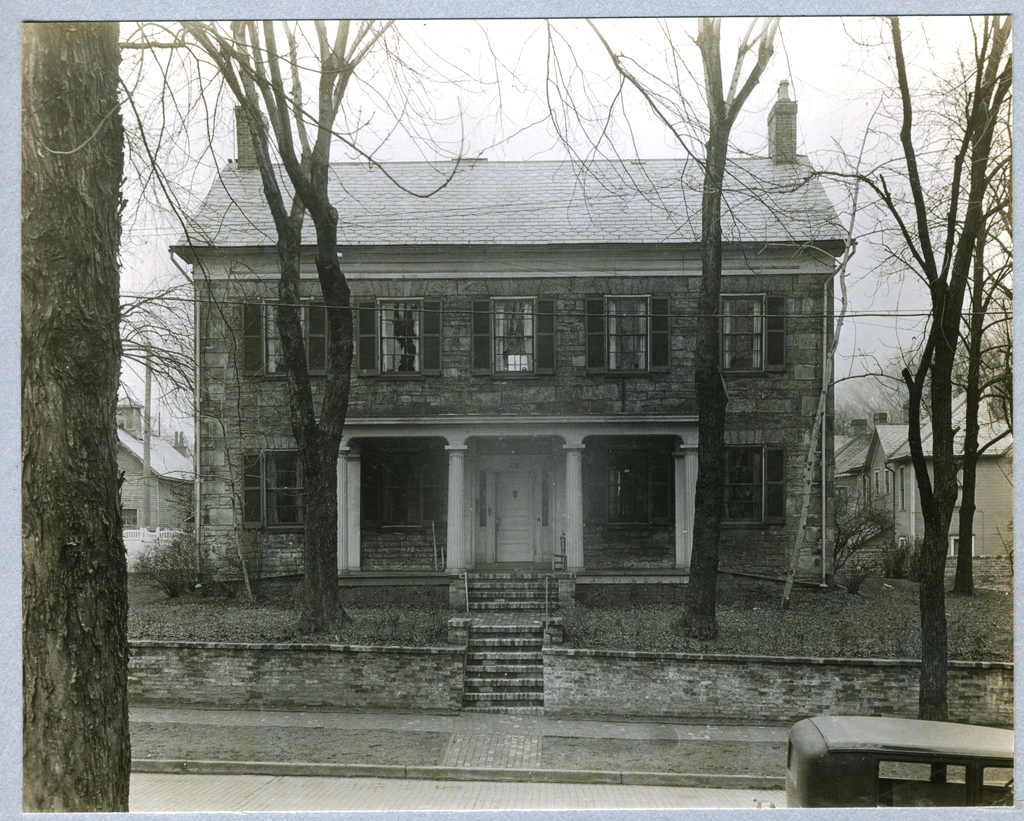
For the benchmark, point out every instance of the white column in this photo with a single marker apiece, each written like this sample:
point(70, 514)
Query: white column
point(573, 506)
point(352, 518)
point(342, 469)
point(685, 489)
point(456, 507)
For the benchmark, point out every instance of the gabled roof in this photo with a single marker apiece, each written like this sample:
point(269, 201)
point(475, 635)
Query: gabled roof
point(990, 428)
point(164, 460)
point(852, 453)
point(516, 203)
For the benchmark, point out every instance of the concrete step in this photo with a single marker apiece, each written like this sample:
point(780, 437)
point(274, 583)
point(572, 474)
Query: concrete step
point(525, 642)
point(506, 657)
point(503, 699)
point(531, 711)
point(494, 630)
point(492, 669)
point(506, 605)
point(518, 685)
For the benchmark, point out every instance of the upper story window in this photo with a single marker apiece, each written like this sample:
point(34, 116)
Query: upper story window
point(272, 490)
point(628, 334)
point(755, 484)
point(513, 335)
point(753, 333)
point(261, 342)
point(399, 337)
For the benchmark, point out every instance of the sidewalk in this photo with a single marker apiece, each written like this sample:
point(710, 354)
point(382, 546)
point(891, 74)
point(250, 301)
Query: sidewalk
point(463, 747)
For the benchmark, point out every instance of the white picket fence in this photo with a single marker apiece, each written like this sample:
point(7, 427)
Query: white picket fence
point(138, 539)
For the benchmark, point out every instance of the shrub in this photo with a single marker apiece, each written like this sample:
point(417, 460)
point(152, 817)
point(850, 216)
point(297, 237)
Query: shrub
point(169, 566)
point(902, 560)
point(852, 577)
point(242, 560)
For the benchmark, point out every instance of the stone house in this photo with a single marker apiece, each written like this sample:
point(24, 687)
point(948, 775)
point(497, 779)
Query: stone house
point(522, 388)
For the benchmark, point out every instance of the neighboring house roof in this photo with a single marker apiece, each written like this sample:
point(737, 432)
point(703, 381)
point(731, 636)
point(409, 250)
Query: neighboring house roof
point(990, 428)
point(852, 453)
point(520, 203)
point(164, 460)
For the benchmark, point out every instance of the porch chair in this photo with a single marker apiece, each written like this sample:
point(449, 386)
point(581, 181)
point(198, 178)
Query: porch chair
point(558, 561)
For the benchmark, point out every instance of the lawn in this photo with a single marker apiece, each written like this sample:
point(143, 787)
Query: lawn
point(882, 621)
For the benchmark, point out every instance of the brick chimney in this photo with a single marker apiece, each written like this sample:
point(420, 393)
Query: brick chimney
point(243, 140)
point(881, 419)
point(180, 444)
point(782, 127)
point(858, 427)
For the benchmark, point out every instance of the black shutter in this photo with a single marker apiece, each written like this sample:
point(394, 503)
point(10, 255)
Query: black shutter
point(545, 363)
point(252, 491)
point(774, 485)
point(596, 345)
point(774, 333)
point(430, 319)
point(367, 333)
point(480, 329)
point(661, 342)
point(252, 339)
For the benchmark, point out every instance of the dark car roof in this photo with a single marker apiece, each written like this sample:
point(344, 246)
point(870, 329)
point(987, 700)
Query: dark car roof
point(912, 736)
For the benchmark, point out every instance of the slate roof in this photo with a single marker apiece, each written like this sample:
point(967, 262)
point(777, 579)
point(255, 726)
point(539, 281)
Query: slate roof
point(524, 202)
point(164, 460)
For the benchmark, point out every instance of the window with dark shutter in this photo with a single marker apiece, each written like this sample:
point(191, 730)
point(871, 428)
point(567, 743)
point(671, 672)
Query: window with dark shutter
point(480, 329)
point(596, 342)
point(252, 339)
point(661, 342)
point(431, 324)
point(252, 491)
point(366, 332)
point(774, 333)
point(774, 485)
point(545, 363)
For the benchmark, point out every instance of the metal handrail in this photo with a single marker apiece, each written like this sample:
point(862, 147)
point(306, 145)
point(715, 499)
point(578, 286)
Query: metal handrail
point(465, 578)
point(547, 615)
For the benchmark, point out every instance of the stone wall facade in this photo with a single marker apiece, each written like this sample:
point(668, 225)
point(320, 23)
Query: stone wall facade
point(296, 676)
point(749, 689)
point(241, 414)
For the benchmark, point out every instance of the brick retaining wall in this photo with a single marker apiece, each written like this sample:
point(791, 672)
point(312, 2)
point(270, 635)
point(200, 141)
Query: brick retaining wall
point(296, 676)
point(745, 688)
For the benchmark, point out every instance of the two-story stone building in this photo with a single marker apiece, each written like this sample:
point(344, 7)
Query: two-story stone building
point(523, 377)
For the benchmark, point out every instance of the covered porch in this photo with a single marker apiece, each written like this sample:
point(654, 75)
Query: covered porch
point(601, 497)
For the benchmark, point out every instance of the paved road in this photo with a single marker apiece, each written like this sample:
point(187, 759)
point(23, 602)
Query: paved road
point(267, 793)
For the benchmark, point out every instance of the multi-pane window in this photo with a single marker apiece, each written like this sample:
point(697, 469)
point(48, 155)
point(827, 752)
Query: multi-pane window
point(753, 333)
point(402, 486)
point(130, 517)
point(628, 485)
point(755, 484)
point(261, 341)
point(513, 335)
point(272, 491)
point(628, 334)
point(399, 336)
point(903, 488)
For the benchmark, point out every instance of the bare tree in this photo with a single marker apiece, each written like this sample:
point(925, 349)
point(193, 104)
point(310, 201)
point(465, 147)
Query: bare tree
point(940, 226)
point(669, 102)
point(76, 750)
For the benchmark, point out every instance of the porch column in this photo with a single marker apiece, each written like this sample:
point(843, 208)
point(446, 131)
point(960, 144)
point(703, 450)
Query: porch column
point(685, 488)
point(342, 473)
point(456, 507)
point(573, 505)
point(353, 510)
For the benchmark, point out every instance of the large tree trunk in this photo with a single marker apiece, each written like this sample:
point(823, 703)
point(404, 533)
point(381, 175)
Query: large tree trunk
point(701, 595)
point(76, 754)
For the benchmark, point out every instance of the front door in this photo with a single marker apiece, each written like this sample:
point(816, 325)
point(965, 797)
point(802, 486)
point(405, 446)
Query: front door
point(515, 530)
